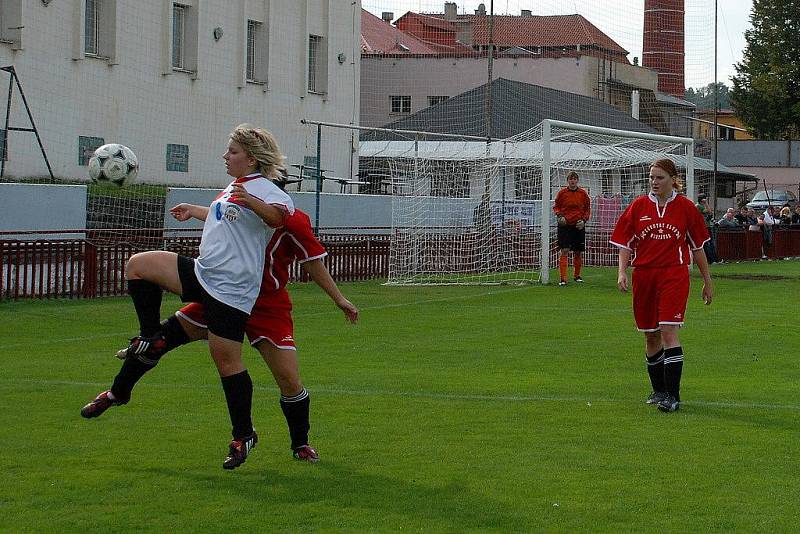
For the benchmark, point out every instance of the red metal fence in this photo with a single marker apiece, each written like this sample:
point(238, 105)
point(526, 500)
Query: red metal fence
point(95, 266)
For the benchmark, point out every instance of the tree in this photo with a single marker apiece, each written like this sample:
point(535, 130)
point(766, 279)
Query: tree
point(703, 97)
point(766, 88)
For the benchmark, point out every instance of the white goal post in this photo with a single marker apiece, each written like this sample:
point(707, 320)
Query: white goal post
point(478, 212)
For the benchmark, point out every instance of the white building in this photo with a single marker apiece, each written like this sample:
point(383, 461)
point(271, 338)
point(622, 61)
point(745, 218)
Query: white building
point(172, 79)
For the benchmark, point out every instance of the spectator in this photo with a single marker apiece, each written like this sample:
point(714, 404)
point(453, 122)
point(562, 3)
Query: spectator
point(728, 220)
point(710, 247)
point(741, 217)
point(766, 222)
point(752, 221)
point(796, 216)
point(786, 215)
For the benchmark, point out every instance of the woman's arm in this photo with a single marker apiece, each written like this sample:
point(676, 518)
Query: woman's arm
point(184, 212)
point(702, 263)
point(622, 268)
point(269, 213)
point(319, 273)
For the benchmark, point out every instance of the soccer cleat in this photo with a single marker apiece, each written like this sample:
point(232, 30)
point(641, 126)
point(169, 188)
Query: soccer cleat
point(562, 283)
point(306, 453)
point(656, 397)
point(147, 349)
point(100, 404)
point(669, 404)
point(238, 451)
point(578, 279)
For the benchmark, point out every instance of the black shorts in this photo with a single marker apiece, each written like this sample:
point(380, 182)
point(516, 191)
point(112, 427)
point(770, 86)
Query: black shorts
point(571, 238)
point(222, 320)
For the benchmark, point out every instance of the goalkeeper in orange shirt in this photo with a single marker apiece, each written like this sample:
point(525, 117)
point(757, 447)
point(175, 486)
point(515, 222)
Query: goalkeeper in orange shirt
point(572, 209)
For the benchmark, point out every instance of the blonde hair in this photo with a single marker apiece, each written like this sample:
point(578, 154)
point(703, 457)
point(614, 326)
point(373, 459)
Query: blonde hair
point(668, 166)
point(260, 145)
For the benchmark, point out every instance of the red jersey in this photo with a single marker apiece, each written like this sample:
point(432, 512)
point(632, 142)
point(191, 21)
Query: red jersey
point(294, 241)
point(573, 205)
point(660, 237)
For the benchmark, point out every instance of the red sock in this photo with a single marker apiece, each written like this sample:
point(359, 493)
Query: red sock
point(562, 267)
point(577, 263)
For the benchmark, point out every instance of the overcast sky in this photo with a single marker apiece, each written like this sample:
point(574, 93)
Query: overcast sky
point(622, 21)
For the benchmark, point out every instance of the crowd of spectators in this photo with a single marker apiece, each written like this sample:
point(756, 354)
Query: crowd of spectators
point(748, 219)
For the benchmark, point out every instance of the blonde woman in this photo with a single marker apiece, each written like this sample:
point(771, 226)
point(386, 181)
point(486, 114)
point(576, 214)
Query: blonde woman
point(225, 279)
point(658, 235)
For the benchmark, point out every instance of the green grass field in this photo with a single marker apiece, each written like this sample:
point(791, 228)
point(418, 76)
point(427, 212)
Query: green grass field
point(446, 409)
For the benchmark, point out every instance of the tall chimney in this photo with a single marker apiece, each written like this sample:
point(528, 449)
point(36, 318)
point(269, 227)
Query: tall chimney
point(663, 47)
point(450, 11)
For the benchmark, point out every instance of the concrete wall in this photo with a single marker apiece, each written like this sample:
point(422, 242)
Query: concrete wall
point(36, 207)
point(136, 98)
point(351, 213)
point(421, 77)
point(760, 154)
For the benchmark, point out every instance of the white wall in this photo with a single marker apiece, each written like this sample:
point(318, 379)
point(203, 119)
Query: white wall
point(30, 207)
point(133, 99)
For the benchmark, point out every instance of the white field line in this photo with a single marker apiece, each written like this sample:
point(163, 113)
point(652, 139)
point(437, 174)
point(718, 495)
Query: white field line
point(422, 395)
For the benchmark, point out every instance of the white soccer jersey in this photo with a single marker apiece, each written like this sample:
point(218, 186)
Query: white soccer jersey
point(234, 242)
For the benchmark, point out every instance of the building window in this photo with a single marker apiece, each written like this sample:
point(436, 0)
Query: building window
point(91, 25)
point(317, 65)
point(177, 158)
point(178, 35)
point(99, 28)
point(400, 104)
point(86, 147)
point(433, 100)
point(256, 53)
point(11, 22)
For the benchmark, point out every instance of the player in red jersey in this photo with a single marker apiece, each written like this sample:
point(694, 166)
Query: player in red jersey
point(572, 209)
point(662, 231)
point(270, 328)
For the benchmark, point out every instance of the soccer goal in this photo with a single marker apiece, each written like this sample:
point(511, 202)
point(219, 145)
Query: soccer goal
point(477, 212)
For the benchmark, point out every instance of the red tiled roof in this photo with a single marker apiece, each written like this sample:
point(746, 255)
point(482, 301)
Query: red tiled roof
point(379, 37)
point(432, 21)
point(553, 30)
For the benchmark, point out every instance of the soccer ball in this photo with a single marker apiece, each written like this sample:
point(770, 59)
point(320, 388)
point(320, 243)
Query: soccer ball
point(113, 164)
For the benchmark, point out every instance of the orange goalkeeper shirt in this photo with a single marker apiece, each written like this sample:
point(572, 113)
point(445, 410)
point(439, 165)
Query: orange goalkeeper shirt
point(573, 205)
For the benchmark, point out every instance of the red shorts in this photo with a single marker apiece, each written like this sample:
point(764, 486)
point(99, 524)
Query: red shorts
point(272, 323)
point(659, 296)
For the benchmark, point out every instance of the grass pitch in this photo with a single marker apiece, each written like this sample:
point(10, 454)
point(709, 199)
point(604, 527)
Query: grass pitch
point(446, 409)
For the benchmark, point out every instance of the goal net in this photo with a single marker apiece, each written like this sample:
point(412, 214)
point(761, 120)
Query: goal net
point(472, 212)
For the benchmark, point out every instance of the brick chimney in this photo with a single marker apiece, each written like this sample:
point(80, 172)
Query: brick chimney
point(663, 46)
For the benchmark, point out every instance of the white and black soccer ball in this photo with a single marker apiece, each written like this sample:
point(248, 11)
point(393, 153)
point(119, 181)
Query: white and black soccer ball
point(113, 164)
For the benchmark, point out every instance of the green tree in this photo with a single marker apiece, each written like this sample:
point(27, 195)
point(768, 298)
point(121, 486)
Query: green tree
point(766, 88)
point(703, 97)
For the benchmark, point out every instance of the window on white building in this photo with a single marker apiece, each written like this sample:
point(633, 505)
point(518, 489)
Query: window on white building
point(433, 100)
point(257, 52)
point(317, 64)
point(183, 53)
point(11, 22)
point(99, 28)
point(178, 35)
point(400, 104)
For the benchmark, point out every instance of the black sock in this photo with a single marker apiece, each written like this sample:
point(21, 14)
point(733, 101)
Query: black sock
point(174, 334)
point(296, 410)
point(655, 368)
point(147, 301)
point(132, 370)
point(673, 366)
point(239, 396)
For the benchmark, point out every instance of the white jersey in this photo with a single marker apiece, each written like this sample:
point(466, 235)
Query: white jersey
point(232, 250)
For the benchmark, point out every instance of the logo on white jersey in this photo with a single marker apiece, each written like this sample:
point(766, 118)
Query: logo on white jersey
point(232, 213)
